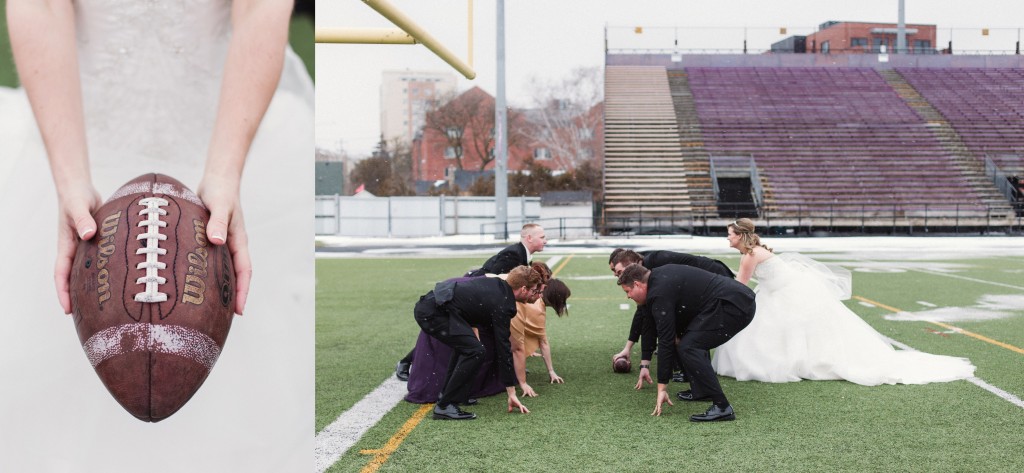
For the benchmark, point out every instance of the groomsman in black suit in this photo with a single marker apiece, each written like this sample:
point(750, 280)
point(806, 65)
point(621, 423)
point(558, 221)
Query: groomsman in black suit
point(450, 313)
point(532, 240)
point(619, 259)
point(705, 310)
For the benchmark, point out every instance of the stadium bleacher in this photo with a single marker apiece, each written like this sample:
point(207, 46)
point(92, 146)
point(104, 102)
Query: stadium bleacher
point(984, 106)
point(860, 142)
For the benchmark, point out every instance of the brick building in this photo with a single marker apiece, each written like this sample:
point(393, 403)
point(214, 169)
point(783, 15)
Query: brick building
point(858, 37)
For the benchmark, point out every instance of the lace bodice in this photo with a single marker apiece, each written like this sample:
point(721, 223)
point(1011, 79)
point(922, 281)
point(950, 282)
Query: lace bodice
point(768, 268)
point(151, 73)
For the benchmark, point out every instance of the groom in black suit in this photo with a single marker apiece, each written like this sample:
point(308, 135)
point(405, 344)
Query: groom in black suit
point(619, 259)
point(705, 310)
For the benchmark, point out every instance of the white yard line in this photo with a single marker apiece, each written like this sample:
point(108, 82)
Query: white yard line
point(973, 379)
point(334, 440)
point(965, 278)
point(998, 392)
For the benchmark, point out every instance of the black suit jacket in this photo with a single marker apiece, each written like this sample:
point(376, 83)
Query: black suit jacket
point(506, 260)
point(657, 259)
point(485, 303)
point(683, 298)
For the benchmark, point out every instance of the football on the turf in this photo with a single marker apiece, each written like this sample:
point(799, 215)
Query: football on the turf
point(622, 365)
point(151, 298)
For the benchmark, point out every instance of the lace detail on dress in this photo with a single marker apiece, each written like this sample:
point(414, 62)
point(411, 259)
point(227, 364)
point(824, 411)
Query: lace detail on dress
point(151, 72)
point(766, 269)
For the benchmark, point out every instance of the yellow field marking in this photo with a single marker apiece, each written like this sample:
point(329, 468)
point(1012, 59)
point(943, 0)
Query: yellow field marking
point(562, 265)
point(381, 455)
point(949, 327)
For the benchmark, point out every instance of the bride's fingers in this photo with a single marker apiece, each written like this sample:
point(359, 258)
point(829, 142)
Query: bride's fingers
point(239, 246)
point(76, 223)
point(217, 228)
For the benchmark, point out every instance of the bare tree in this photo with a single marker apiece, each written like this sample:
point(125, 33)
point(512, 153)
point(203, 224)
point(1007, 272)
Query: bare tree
point(466, 121)
point(382, 173)
point(400, 154)
point(566, 117)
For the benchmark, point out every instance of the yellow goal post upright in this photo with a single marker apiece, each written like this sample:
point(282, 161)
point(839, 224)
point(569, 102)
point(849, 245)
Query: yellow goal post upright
point(408, 32)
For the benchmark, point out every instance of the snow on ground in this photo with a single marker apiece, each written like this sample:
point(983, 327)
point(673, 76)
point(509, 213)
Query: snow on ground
point(903, 248)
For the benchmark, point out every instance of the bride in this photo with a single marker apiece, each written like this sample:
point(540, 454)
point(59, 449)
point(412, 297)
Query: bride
point(802, 331)
point(197, 90)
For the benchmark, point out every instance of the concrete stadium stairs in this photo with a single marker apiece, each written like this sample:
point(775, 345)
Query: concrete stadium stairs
point(644, 167)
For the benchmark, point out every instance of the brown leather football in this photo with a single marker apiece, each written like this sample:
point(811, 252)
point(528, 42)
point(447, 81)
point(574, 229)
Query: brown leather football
point(622, 365)
point(151, 298)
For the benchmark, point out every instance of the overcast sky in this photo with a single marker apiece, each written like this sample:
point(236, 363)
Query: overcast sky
point(546, 39)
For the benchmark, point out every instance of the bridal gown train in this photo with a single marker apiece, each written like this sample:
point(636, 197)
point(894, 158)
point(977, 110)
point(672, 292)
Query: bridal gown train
point(151, 74)
point(802, 330)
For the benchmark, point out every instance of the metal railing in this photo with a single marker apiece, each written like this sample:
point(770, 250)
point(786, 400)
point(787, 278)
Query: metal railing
point(999, 178)
point(559, 228)
point(855, 218)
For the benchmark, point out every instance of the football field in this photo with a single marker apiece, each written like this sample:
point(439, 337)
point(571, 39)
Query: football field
point(946, 296)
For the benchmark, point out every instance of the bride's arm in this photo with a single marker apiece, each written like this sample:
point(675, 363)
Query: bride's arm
point(747, 265)
point(253, 67)
point(43, 41)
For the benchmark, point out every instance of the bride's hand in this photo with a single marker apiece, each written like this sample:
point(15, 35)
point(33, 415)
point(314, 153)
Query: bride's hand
point(75, 206)
point(228, 226)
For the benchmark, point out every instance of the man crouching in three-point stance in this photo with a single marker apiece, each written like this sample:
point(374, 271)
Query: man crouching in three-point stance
point(705, 310)
point(454, 310)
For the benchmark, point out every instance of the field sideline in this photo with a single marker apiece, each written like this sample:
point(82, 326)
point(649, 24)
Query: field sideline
point(954, 296)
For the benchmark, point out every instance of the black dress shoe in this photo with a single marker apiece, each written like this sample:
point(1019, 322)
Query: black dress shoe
point(680, 377)
point(470, 402)
point(688, 396)
point(402, 370)
point(452, 412)
point(714, 413)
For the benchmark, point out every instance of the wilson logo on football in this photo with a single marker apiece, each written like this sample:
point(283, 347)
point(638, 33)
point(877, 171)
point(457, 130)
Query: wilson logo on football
point(107, 247)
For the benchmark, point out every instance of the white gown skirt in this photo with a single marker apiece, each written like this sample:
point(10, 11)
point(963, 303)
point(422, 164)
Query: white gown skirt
point(255, 410)
point(801, 330)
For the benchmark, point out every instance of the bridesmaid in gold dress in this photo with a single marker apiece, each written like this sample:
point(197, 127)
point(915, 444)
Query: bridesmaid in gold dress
point(528, 327)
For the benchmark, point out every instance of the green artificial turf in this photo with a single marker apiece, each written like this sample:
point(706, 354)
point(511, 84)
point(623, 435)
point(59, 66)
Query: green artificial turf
point(596, 421)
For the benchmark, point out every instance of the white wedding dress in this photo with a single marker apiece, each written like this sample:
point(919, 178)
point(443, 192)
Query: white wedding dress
point(802, 330)
point(151, 75)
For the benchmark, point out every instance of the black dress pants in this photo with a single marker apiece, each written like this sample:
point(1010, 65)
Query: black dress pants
point(694, 347)
point(467, 350)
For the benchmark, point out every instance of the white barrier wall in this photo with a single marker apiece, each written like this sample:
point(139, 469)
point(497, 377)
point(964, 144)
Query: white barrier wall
point(435, 216)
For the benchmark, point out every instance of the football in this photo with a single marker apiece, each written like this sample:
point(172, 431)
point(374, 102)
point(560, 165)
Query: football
point(622, 365)
point(152, 299)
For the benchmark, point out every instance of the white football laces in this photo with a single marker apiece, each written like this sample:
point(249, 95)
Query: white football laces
point(152, 250)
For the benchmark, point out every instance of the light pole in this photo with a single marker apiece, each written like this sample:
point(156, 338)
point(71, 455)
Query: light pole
point(500, 135)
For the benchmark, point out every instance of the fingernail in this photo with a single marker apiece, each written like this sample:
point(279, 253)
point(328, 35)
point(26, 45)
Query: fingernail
point(218, 237)
point(84, 232)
